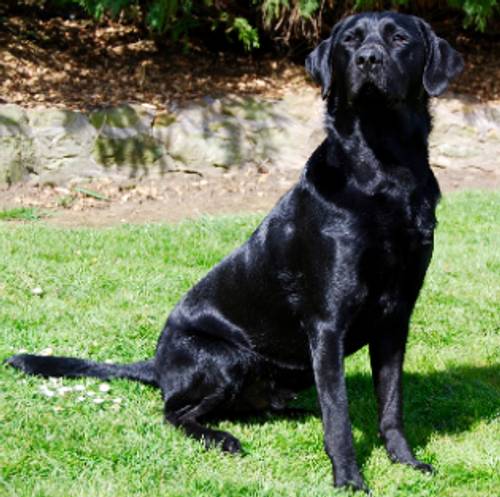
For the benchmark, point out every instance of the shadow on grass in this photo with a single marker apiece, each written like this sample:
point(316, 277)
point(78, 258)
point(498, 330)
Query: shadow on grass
point(442, 402)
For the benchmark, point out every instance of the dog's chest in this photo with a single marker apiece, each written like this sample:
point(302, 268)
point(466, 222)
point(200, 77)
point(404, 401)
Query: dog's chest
point(394, 253)
point(396, 231)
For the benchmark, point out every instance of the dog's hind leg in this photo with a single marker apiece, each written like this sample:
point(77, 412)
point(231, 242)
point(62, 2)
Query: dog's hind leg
point(187, 420)
point(199, 377)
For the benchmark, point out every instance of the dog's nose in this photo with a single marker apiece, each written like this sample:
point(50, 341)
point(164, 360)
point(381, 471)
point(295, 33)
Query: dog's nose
point(368, 57)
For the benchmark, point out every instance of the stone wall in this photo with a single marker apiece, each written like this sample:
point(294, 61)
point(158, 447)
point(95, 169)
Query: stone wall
point(54, 146)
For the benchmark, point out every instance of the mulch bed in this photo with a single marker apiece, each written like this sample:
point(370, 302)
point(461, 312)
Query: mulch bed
point(76, 64)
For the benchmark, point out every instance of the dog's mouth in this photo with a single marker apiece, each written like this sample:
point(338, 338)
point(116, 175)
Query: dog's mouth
point(374, 92)
point(370, 90)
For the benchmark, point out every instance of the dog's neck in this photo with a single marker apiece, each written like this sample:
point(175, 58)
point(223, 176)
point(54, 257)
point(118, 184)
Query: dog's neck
point(371, 142)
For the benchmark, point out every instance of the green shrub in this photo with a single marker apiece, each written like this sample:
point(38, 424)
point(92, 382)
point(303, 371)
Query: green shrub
point(477, 13)
point(249, 22)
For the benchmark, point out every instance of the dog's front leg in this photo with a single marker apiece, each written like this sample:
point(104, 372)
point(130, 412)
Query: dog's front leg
point(326, 342)
point(386, 355)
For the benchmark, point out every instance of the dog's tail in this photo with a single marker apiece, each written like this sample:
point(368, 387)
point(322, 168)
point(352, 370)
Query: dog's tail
point(71, 367)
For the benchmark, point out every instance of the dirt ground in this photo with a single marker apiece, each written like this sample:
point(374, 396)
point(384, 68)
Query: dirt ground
point(179, 196)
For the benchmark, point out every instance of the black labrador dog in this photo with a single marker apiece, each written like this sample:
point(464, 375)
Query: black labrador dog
point(337, 264)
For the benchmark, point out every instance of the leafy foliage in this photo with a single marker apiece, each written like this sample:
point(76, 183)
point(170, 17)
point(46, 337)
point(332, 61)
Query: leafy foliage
point(476, 12)
point(250, 22)
point(176, 18)
point(247, 35)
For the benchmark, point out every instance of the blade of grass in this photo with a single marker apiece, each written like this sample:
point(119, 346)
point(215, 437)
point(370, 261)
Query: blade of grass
point(21, 214)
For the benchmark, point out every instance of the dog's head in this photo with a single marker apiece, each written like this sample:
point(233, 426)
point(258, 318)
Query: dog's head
point(383, 55)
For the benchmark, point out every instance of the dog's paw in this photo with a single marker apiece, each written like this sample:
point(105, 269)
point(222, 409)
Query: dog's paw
point(231, 444)
point(224, 441)
point(355, 484)
point(422, 466)
point(416, 464)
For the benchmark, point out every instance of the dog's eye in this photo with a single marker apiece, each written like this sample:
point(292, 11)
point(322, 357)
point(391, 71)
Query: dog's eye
point(349, 38)
point(398, 38)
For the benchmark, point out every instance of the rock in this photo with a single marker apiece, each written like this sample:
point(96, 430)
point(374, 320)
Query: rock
point(163, 119)
point(234, 131)
point(62, 141)
point(125, 141)
point(55, 146)
point(134, 152)
point(13, 121)
point(465, 134)
point(17, 153)
point(124, 116)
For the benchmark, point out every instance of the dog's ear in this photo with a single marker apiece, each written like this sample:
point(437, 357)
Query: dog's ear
point(319, 66)
point(319, 62)
point(442, 64)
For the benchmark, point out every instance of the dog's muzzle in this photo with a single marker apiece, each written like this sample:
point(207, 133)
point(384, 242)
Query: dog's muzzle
point(367, 71)
point(369, 59)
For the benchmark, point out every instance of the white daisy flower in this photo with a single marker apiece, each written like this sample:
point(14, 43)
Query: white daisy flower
point(64, 390)
point(45, 390)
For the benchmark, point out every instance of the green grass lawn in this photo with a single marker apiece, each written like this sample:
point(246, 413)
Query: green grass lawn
point(106, 293)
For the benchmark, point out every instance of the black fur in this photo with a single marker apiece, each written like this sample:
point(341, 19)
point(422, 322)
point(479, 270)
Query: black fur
point(336, 265)
point(71, 367)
